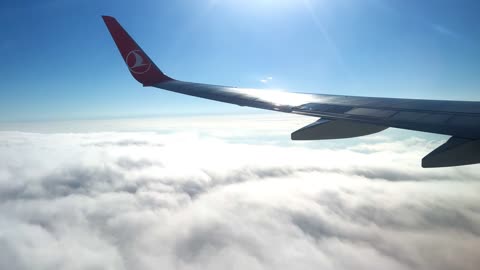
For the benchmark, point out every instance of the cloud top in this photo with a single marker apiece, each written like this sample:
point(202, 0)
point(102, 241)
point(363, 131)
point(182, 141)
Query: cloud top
point(148, 200)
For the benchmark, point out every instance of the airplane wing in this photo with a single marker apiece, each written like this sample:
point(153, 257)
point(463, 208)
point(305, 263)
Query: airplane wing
point(339, 116)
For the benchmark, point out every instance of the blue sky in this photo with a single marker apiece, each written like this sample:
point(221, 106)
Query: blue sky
point(59, 61)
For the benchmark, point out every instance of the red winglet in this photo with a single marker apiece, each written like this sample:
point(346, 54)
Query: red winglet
point(138, 62)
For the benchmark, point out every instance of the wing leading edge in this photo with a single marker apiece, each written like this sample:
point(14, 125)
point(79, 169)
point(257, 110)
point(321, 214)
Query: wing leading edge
point(341, 116)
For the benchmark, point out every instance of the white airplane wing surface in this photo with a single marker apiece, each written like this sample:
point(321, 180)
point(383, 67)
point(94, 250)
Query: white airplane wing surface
point(339, 116)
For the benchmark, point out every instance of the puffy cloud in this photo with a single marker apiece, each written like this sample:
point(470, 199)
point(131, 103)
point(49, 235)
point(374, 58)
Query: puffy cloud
point(186, 200)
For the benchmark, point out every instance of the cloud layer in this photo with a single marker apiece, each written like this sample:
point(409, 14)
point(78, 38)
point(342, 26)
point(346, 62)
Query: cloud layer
point(149, 200)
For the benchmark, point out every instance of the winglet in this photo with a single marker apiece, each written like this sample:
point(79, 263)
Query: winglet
point(140, 65)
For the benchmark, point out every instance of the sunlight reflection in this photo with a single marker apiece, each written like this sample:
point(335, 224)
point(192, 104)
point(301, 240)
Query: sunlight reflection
point(277, 97)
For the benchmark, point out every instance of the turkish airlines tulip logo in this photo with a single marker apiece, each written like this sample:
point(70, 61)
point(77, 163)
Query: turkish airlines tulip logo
point(138, 62)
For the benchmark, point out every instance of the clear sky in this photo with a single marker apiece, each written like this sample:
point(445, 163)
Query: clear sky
point(59, 61)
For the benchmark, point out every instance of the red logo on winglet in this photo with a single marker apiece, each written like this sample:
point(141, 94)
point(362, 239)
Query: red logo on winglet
point(138, 62)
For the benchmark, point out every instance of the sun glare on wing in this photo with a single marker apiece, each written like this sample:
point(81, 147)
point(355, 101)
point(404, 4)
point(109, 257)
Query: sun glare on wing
point(278, 97)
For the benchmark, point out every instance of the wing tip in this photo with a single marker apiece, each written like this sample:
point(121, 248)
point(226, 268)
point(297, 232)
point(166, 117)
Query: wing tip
point(142, 68)
point(107, 18)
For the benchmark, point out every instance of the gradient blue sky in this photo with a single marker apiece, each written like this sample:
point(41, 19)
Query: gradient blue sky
point(59, 61)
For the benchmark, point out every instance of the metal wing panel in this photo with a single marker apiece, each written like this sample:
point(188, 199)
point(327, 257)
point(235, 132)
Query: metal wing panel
point(467, 107)
point(464, 126)
point(455, 152)
point(455, 118)
point(335, 129)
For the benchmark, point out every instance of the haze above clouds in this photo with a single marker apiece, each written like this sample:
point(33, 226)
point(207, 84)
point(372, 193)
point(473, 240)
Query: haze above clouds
point(229, 196)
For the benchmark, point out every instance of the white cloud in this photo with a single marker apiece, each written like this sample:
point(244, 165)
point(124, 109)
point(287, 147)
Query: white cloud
point(185, 200)
point(440, 29)
point(266, 80)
